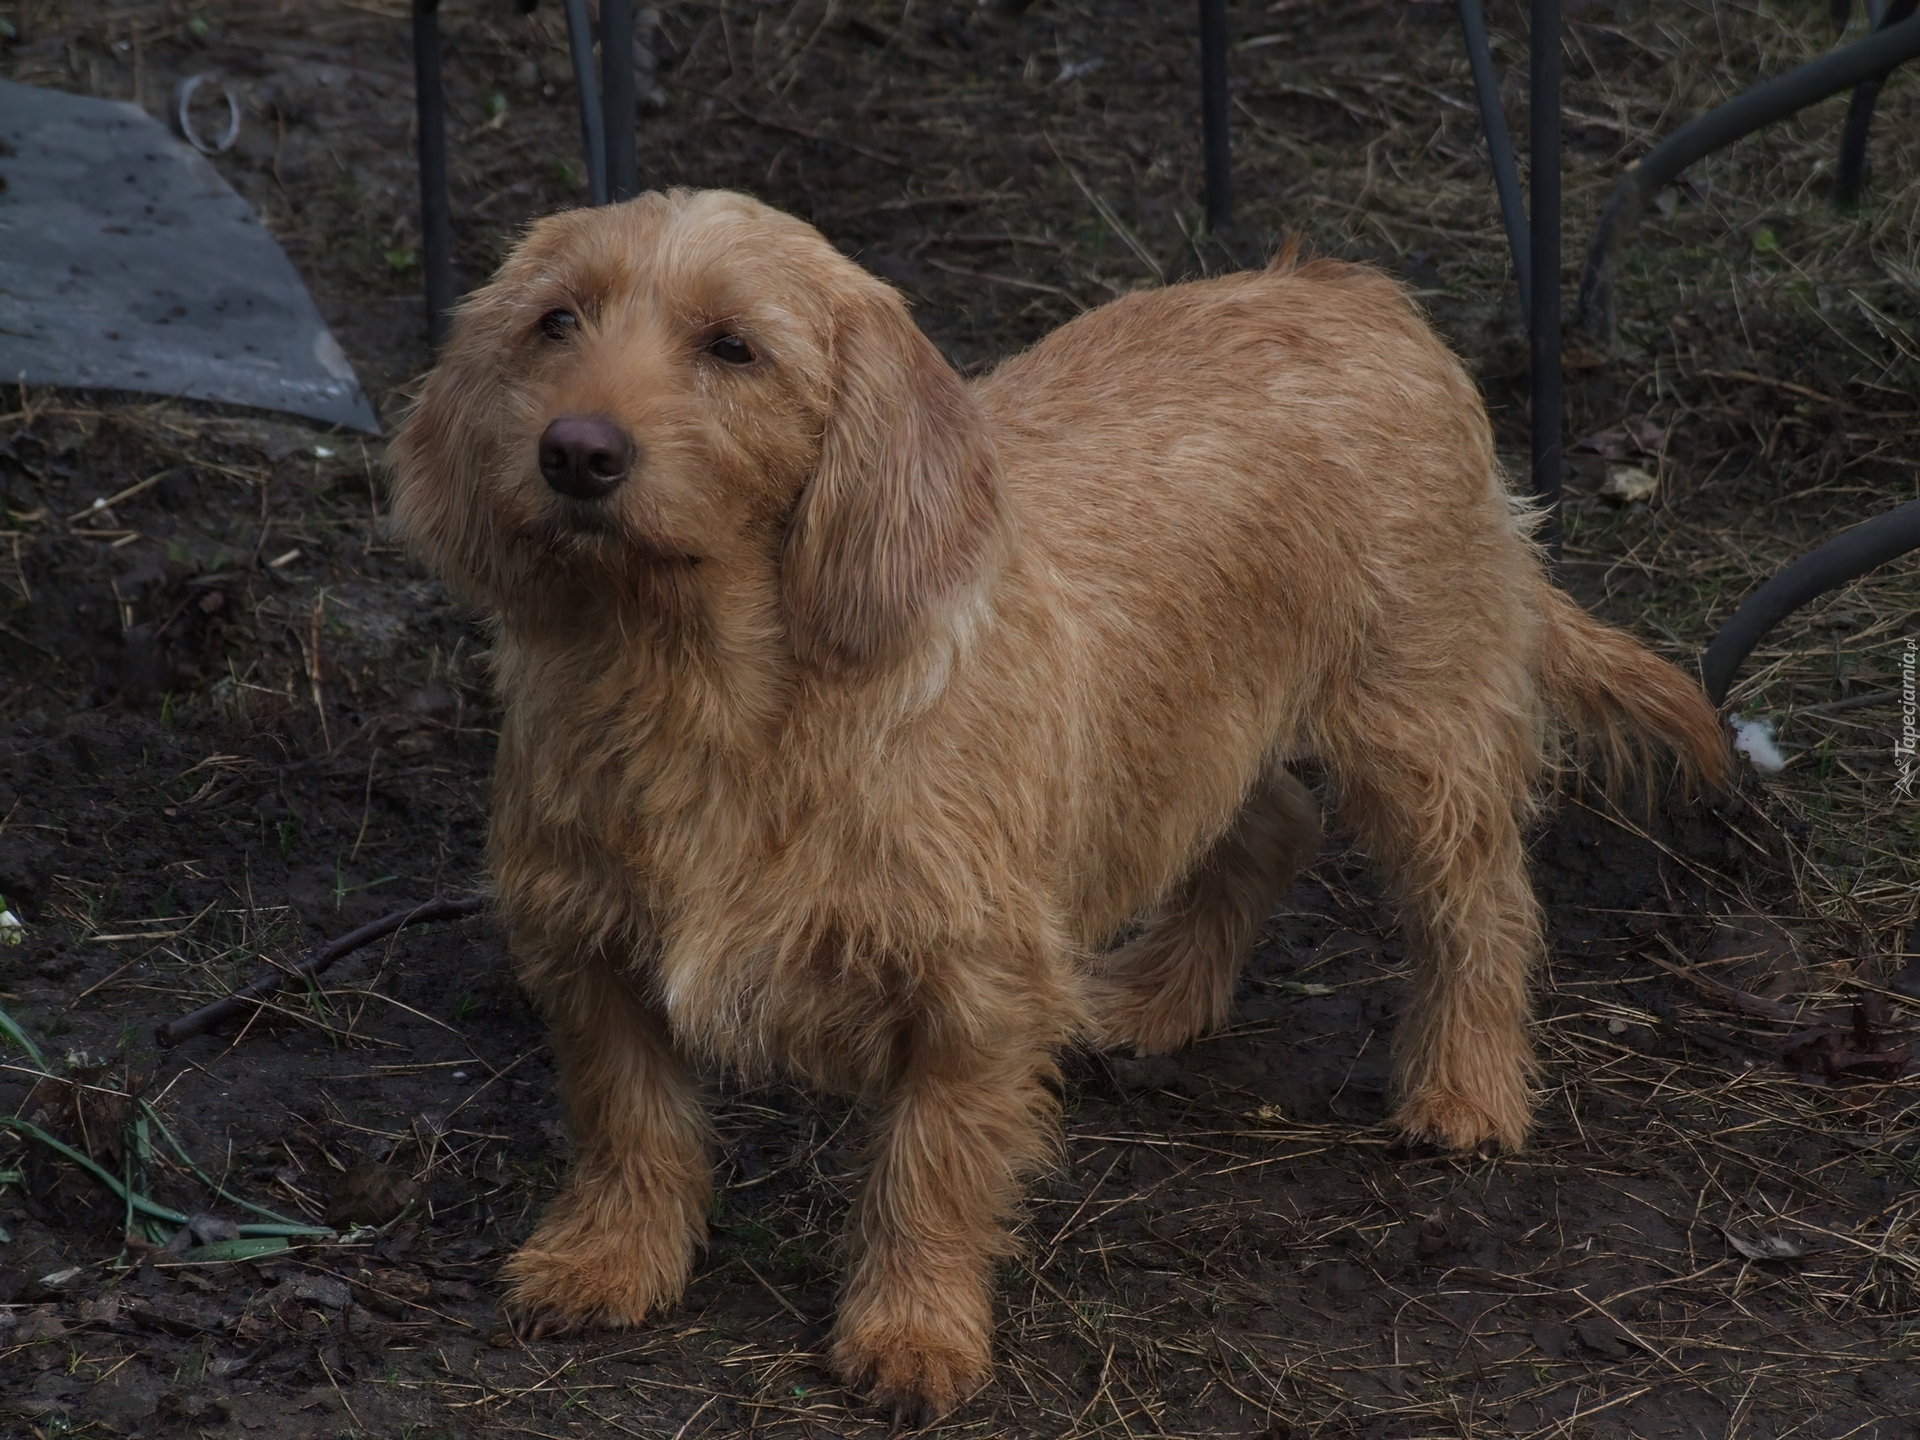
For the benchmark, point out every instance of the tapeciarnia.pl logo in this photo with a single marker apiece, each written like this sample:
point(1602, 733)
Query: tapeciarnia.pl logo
point(1904, 746)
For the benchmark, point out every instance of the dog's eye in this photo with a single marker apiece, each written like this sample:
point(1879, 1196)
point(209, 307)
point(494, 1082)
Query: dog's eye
point(732, 349)
point(559, 324)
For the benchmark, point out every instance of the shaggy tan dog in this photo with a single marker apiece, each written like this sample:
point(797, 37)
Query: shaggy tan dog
point(851, 709)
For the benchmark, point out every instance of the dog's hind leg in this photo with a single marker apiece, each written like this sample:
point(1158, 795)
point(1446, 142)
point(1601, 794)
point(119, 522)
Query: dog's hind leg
point(1174, 981)
point(619, 1239)
point(1441, 819)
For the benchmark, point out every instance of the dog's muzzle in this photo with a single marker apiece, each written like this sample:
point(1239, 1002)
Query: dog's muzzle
point(585, 457)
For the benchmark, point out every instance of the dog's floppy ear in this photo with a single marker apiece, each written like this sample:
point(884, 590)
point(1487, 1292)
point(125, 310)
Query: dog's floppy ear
point(904, 509)
point(444, 447)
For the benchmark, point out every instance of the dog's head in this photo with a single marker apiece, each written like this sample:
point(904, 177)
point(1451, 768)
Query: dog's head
point(692, 401)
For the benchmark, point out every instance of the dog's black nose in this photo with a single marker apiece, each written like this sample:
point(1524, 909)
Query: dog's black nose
point(585, 457)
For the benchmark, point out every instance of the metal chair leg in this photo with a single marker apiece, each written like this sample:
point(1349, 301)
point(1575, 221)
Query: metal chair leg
point(593, 134)
point(1543, 321)
point(617, 99)
point(1493, 120)
point(1852, 170)
point(436, 217)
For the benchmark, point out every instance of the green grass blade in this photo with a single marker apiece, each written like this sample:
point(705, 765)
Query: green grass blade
point(227, 1250)
point(11, 1029)
point(287, 1232)
point(137, 1201)
point(292, 1227)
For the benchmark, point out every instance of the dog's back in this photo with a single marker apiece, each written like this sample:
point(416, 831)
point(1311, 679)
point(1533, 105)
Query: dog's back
point(1261, 496)
point(1266, 516)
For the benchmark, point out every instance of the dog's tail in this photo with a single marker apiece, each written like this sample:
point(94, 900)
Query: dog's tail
point(1621, 698)
point(1286, 259)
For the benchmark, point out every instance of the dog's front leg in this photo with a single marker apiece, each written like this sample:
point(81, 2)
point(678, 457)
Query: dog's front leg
point(959, 1132)
point(618, 1241)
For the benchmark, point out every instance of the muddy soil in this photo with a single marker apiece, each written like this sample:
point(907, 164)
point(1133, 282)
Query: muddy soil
point(236, 721)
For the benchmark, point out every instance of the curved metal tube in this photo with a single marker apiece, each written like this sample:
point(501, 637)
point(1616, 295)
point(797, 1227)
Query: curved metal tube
point(593, 134)
point(1493, 120)
point(1849, 555)
point(1852, 169)
point(1775, 100)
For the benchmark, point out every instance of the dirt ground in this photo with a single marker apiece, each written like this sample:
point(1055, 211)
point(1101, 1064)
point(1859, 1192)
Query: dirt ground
point(236, 721)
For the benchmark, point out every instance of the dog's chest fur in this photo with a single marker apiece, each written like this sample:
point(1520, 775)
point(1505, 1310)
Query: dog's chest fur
point(780, 925)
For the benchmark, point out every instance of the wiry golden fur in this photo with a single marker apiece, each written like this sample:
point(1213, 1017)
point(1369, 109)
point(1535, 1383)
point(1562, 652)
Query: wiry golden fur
point(842, 737)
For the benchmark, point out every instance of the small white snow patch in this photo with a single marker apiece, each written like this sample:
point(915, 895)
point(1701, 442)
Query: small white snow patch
point(1754, 739)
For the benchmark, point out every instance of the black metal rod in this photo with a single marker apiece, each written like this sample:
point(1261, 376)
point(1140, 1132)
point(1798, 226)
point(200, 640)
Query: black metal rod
point(617, 99)
point(1775, 100)
point(1214, 113)
point(1852, 170)
point(1848, 556)
point(1543, 318)
point(1493, 120)
point(436, 211)
point(593, 134)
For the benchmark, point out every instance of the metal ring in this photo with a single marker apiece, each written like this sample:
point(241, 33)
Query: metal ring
point(183, 120)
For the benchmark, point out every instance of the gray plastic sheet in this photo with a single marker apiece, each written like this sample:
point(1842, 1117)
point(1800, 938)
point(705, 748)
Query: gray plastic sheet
point(128, 263)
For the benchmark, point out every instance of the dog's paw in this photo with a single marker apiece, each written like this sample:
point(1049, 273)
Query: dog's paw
point(1149, 1012)
point(572, 1277)
point(1452, 1122)
point(1159, 993)
point(913, 1378)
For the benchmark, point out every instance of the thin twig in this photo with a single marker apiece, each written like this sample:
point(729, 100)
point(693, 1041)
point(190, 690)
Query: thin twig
point(1740, 1000)
point(789, 127)
point(767, 1285)
point(1114, 222)
point(127, 494)
point(1010, 280)
point(1852, 702)
point(1747, 377)
point(207, 1016)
